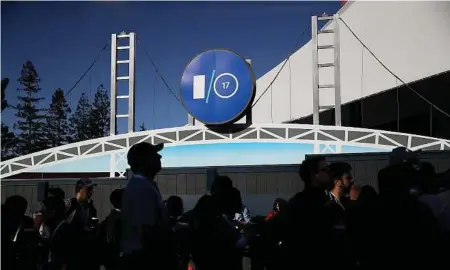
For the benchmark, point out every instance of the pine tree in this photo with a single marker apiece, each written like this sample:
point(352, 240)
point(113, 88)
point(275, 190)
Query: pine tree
point(5, 83)
point(79, 121)
point(100, 113)
point(30, 121)
point(142, 127)
point(57, 121)
point(8, 138)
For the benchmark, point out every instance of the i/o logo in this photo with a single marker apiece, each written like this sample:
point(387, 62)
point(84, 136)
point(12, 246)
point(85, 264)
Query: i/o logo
point(217, 87)
point(225, 85)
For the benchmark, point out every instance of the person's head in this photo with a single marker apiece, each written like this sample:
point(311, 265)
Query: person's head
point(278, 204)
point(314, 172)
point(367, 194)
point(221, 183)
point(15, 206)
point(84, 189)
point(403, 155)
point(53, 209)
point(116, 198)
point(427, 180)
point(229, 201)
point(174, 206)
point(341, 174)
point(56, 192)
point(144, 159)
point(397, 180)
point(206, 208)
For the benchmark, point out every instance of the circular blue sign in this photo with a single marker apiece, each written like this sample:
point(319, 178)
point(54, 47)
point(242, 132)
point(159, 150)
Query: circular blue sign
point(217, 87)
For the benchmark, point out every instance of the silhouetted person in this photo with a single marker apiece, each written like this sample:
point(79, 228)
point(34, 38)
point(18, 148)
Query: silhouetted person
point(341, 175)
point(110, 232)
point(402, 228)
point(53, 212)
point(76, 242)
point(175, 208)
point(217, 244)
point(306, 224)
point(82, 205)
point(278, 205)
point(221, 183)
point(17, 230)
point(145, 228)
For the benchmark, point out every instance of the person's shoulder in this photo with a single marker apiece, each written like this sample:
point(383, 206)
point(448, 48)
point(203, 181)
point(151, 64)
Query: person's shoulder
point(28, 222)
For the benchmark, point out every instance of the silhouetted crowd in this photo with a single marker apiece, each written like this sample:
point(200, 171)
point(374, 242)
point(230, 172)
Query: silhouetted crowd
point(332, 223)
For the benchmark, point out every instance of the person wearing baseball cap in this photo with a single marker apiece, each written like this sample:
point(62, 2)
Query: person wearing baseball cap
point(144, 159)
point(81, 205)
point(145, 220)
point(401, 155)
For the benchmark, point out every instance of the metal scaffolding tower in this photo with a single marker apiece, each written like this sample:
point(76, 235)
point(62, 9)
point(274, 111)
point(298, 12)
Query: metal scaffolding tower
point(317, 86)
point(131, 47)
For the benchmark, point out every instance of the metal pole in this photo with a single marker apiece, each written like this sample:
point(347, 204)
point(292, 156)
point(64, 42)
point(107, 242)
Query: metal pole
point(249, 116)
point(131, 83)
point(113, 109)
point(191, 120)
point(431, 121)
point(315, 70)
point(337, 73)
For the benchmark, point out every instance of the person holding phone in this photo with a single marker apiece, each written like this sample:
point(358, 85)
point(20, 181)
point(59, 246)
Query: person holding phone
point(80, 243)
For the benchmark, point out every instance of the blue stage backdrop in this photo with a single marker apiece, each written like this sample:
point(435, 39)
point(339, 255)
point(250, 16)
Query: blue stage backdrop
point(215, 154)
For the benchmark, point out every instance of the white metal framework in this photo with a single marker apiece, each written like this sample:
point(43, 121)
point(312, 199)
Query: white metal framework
point(118, 145)
point(335, 65)
point(115, 77)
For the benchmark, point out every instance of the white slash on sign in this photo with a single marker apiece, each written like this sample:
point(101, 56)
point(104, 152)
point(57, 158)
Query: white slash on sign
point(199, 87)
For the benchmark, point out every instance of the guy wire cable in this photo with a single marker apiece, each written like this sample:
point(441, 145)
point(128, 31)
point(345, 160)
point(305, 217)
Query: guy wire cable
point(393, 74)
point(282, 66)
point(88, 69)
point(153, 100)
point(82, 76)
point(158, 72)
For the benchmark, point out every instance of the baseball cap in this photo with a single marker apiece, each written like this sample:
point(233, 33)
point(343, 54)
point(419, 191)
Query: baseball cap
point(84, 182)
point(142, 150)
point(402, 154)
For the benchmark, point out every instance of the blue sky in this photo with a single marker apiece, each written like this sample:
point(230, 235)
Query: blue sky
point(63, 38)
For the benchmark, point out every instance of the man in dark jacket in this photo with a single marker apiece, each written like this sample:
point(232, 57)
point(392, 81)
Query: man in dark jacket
point(82, 230)
point(306, 223)
point(110, 232)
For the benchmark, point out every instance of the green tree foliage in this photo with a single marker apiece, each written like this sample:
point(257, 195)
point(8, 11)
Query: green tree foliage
point(142, 127)
point(7, 136)
point(30, 122)
point(100, 113)
point(57, 120)
point(5, 82)
point(79, 121)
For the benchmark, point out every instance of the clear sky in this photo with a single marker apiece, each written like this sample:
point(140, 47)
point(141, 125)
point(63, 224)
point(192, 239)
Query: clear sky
point(63, 38)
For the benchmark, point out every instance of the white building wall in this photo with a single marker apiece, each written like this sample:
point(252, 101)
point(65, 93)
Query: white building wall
point(411, 38)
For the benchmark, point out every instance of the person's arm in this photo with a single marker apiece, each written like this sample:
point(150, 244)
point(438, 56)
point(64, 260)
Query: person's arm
point(269, 215)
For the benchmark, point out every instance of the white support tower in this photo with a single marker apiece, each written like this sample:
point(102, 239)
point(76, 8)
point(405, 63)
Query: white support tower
point(131, 47)
point(335, 64)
